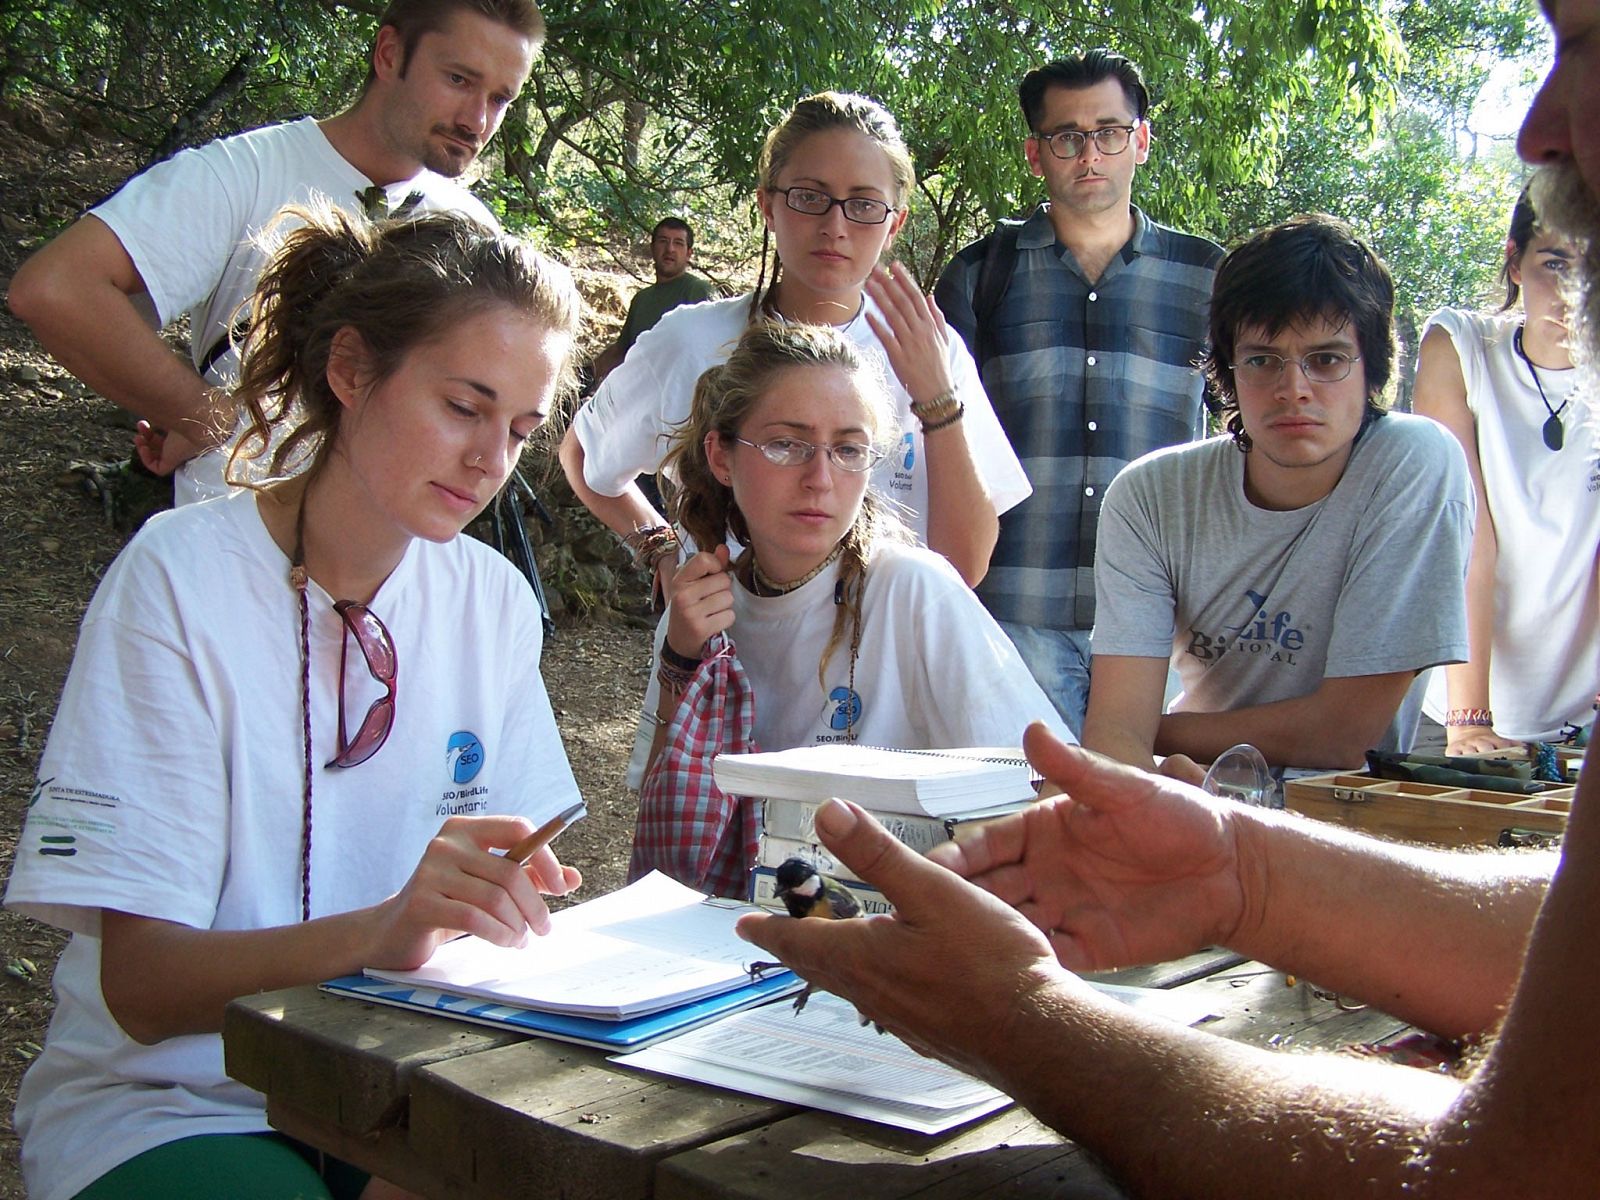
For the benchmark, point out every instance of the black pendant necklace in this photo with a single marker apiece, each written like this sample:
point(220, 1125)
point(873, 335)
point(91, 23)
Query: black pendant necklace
point(1554, 435)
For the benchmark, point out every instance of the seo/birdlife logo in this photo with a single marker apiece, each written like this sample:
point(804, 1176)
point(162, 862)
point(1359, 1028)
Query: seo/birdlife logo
point(463, 756)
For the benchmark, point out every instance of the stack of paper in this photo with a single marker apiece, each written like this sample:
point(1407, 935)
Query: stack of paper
point(651, 946)
point(823, 1057)
point(934, 783)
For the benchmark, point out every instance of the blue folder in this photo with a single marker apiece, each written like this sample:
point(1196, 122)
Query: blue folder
point(633, 1033)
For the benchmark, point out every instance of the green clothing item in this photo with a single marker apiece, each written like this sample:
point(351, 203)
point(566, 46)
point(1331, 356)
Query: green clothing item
point(241, 1166)
point(654, 302)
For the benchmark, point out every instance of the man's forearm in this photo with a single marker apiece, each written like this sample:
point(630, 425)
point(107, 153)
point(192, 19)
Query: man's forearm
point(1332, 728)
point(1436, 937)
point(81, 314)
point(1174, 1112)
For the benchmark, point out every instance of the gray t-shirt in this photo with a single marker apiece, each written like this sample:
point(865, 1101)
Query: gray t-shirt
point(1255, 606)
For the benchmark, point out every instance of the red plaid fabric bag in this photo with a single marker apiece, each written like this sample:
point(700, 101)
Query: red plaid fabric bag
point(688, 827)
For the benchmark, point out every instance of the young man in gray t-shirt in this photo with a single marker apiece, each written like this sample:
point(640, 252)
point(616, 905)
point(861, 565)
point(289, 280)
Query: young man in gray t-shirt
point(1298, 572)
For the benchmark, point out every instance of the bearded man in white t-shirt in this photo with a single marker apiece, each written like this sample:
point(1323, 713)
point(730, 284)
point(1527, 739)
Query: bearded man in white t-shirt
point(186, 235)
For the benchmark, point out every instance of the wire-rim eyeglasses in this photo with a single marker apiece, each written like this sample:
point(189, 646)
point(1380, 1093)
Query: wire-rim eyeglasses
point(854, 457)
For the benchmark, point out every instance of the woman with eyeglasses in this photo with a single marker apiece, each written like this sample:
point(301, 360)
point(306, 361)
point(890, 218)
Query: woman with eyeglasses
point(301, 719)
point(834, 180)
point(1503, 383)
point(845, 630)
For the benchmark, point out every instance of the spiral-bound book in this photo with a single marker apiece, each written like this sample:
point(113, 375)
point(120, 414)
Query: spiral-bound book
point(935, 783)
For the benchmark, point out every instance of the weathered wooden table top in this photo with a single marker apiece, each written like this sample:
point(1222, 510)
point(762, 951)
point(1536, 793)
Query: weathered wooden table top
point(457, 1111)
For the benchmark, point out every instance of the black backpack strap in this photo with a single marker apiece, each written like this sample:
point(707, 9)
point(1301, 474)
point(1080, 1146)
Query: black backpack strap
point(234, 333)
point(994, 277)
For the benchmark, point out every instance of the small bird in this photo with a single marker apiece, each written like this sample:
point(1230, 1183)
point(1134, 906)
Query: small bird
point(807, 892)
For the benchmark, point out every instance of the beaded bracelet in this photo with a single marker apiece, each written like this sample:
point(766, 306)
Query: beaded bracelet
point(936, 413)
point(1458, 718)
point(673, 680)
point(961, 411)
point(649, 544)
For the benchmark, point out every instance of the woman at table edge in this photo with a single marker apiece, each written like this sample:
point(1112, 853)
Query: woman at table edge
point(199, 825)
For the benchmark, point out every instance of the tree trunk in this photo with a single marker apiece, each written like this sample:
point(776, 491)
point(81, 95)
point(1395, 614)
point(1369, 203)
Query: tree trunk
point(229, 86)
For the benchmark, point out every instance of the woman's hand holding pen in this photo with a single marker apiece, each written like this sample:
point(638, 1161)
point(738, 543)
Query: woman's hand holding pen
point(460, 886)
point(912, 330)
point(702, 602)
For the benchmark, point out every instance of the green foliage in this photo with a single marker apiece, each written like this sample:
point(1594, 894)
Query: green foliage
point(713, 77)
point(1436, 213)
point(1263, 107)
point(140, 67)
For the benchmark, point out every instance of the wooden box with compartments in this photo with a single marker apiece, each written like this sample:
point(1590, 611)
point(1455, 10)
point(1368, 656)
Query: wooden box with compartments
point(1431, 813)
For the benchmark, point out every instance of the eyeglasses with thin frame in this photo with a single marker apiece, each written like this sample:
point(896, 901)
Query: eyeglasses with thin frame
point(377, 648)
point(854, 457)
point(1069, 143)
point(863, 210)
point(1320, 366)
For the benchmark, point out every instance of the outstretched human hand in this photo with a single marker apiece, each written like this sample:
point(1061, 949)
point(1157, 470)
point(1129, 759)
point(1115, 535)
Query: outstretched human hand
point(912, 331)
point(702, 602)
point(945, 972)
point(1126, 867)
point(460, 887)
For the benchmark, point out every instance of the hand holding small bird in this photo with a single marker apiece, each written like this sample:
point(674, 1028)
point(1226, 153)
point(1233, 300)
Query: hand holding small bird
point(806, 892)
point(944, 972)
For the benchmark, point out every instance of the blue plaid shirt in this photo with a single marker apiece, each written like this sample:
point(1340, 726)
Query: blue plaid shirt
point(1085, 377)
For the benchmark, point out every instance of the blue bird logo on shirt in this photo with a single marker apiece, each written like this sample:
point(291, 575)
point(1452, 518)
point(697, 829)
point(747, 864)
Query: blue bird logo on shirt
point(463, 756)
point(910, 453)
point(847, 708)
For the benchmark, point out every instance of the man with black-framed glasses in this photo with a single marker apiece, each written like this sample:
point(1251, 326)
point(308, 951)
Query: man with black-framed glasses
point(1085, 321)
point(1299, 570)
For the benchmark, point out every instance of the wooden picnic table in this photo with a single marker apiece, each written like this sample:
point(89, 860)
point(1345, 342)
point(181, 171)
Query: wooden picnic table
point(457, 1111)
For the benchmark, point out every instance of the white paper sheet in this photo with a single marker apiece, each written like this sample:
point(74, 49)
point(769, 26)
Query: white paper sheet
point(823, 1057)
point(649, 946)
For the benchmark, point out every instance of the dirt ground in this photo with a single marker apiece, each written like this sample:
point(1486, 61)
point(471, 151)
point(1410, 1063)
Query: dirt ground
point(55, 543)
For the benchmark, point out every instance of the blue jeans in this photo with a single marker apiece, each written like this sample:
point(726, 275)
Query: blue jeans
point(1059, 660)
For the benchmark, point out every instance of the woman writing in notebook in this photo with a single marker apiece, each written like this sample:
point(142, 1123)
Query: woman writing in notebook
point(280, 698)
point(834, 180)
point(846, 631)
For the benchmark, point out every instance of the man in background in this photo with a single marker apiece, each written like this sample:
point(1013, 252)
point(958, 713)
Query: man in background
point(1085, 321)
point(186, 235)
point(671, 249)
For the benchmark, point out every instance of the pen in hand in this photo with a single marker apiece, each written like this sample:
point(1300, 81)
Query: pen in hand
point(545, 834)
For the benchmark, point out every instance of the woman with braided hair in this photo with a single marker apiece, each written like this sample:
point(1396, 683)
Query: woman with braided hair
point(846, 631)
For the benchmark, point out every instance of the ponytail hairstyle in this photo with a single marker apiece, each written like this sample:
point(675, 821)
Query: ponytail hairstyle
point(818, 114)
point(725, 396)
point(1524, 227)
point(399, 285)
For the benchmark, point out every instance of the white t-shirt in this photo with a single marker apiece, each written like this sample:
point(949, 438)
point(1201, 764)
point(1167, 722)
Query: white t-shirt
point(194, 227)
point(624, 430)
point(934, 670)
point(171, 787)
point(1544, 660)
point(1252, 605)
